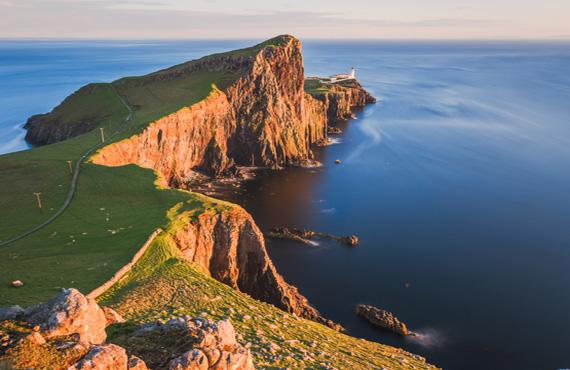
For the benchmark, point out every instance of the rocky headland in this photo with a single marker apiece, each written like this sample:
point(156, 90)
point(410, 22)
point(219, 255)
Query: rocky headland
point(263, 116)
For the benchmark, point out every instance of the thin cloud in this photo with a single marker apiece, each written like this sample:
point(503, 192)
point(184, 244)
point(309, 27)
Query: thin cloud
point(156, 19)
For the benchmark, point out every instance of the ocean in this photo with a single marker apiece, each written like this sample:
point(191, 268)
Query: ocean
point(457, 183)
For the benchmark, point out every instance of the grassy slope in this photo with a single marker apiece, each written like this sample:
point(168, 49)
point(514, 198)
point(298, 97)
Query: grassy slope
point(315, 87)
point(163, 285)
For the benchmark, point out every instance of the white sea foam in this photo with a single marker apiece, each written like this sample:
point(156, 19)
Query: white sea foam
point(428, 337)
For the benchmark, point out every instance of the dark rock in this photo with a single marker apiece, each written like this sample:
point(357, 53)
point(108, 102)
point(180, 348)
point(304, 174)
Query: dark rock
point(351, 240)
point(11, 312)
point(382, 318)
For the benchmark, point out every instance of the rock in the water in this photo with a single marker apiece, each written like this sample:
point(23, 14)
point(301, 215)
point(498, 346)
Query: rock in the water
point(334, 130)
point(103, 357)
point(11, 312)
point(112, 316)
point(351, 240)
point(17, 283)
point(68, 313)
point(382, 319)
point(337, 161)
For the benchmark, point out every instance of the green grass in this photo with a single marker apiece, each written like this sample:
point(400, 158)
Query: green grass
point(315, 87)
point(163, 285)
point(114, 212)
point(45, 169)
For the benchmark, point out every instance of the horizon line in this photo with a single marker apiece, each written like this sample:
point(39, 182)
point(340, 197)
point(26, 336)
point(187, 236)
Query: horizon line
point(511, 39)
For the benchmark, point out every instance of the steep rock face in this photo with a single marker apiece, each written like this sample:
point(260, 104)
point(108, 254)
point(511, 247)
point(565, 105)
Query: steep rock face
point(342, 98)
point(43, 130)
point(263, 118)
point(192, 138)
point(231, 247)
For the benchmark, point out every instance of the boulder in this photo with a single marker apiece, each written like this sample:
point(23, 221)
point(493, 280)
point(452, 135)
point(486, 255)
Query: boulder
point(382, 318)
point(103, 357)
point(17, 283)
point(351, 240)
point(70, 312)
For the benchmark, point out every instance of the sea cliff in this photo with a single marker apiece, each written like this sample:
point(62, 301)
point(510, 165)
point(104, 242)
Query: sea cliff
point(261, 116)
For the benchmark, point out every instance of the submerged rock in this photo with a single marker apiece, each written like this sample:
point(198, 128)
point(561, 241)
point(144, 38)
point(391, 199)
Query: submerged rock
point(382, 318)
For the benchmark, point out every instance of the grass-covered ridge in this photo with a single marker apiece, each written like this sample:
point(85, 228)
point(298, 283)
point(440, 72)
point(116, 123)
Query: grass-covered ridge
point(163, 285)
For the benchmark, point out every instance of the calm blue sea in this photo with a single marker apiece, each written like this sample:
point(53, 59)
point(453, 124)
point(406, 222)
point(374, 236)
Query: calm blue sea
point(457, 182)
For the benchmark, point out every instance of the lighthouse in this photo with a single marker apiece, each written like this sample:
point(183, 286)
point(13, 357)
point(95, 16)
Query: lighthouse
point(352, 73)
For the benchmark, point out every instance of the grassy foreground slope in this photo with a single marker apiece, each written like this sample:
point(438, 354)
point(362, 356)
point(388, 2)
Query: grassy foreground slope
point(163, 285)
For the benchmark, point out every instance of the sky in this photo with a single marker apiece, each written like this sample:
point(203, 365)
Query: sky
point(257, 19)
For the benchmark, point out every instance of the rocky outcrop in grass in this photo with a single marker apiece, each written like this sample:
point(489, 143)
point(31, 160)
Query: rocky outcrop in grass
point(68, 332)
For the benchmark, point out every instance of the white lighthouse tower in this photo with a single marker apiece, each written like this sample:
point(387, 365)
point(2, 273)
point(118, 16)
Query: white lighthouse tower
point(352, 73)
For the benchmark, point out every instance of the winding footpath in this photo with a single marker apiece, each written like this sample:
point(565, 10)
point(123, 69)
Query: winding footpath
point(74, 179)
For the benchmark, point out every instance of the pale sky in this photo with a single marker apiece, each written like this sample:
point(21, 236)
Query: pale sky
point(203, 19)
